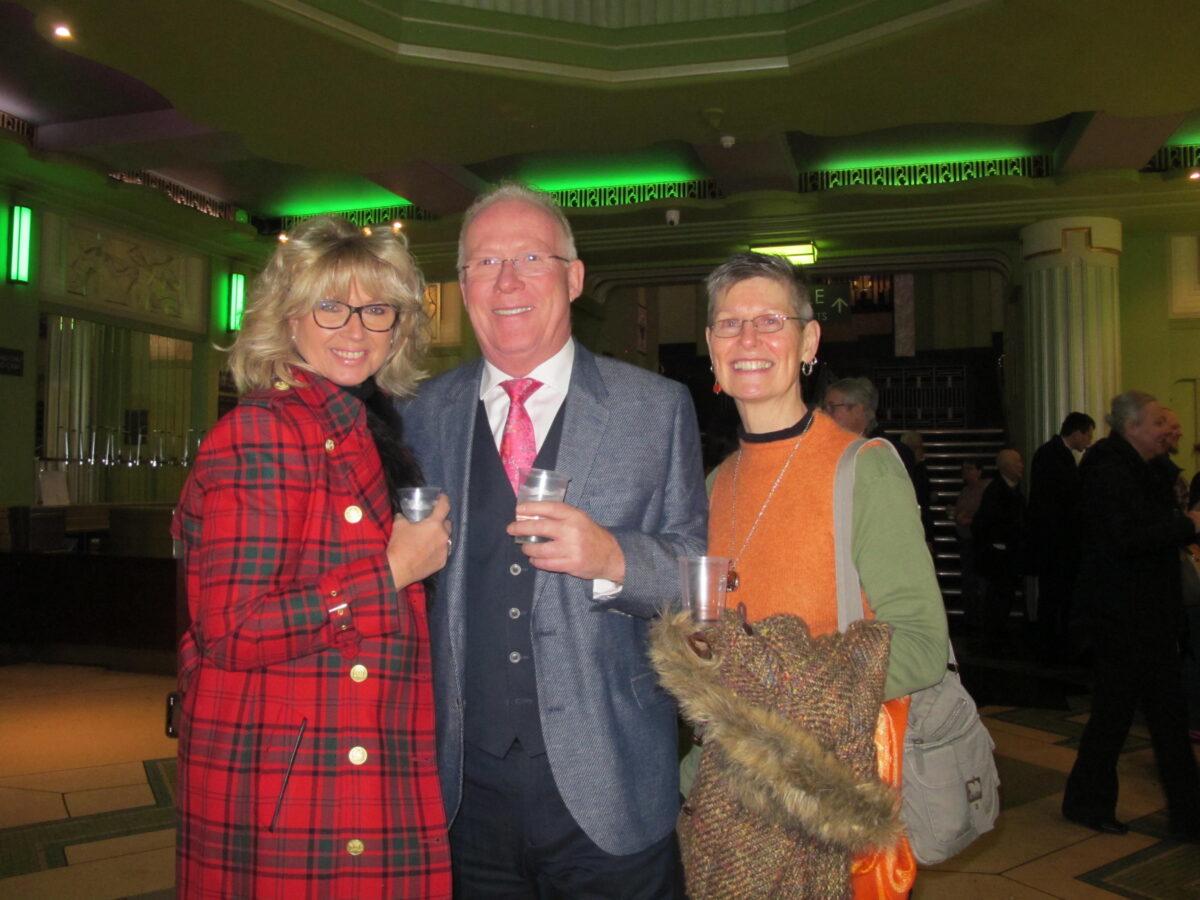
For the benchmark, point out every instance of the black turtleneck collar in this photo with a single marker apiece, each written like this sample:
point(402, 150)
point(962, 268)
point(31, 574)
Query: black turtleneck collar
point(784, 434)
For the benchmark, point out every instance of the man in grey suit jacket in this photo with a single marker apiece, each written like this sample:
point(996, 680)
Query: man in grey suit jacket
point(556, 745)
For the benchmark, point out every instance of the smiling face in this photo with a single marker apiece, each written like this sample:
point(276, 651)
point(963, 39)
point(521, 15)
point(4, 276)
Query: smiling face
point(520, 320)
point(761, 372)
point(348, 355)
point(1148, 433)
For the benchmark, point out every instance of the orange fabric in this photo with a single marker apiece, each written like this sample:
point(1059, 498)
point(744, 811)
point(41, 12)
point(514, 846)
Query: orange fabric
point(890, 872)
point(788, 567)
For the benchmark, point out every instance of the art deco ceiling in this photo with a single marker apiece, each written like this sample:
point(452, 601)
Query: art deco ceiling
point(282, 107)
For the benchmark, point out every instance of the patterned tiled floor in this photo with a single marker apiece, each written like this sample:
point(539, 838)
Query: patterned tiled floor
point(86, 778)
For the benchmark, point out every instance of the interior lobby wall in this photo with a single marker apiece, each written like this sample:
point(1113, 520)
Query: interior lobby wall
point(1160, 353)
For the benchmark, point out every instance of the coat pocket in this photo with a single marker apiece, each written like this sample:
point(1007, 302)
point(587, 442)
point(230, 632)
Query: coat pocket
point(278, 777)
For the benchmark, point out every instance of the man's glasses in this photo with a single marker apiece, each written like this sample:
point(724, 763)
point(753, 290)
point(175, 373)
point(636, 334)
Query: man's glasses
point(768, 323)
point(335, 314)
point(527, 265)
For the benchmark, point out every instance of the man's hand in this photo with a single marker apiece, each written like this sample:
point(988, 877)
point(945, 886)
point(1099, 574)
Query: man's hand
point(577, 545)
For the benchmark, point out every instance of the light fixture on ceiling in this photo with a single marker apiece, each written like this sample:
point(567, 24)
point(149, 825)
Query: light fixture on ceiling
point(799, 254)
point(63, 32)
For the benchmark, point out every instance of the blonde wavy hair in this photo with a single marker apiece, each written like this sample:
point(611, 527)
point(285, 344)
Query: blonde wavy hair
point(320, 260)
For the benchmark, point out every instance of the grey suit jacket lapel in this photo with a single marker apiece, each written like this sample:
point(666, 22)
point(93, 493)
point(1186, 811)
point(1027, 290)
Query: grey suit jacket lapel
point(585, 418)
point(456, 442)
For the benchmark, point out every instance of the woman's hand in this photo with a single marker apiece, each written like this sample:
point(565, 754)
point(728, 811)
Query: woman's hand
point(415, 551)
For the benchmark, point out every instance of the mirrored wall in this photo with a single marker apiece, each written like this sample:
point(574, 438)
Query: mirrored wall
point(114, 415)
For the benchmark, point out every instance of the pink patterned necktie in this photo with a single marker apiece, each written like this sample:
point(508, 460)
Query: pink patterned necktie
point(518, 448)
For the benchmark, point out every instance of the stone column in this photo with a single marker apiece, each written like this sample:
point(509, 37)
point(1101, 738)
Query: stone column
point(1072, 321)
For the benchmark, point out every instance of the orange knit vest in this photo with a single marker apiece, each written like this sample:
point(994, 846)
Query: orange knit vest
point(787, 566)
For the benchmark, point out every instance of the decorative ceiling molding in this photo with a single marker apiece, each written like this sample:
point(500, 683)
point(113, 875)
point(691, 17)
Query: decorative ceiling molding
point(646, 42)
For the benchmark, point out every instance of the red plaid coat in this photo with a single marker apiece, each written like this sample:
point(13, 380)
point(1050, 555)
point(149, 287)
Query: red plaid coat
point(306, 764)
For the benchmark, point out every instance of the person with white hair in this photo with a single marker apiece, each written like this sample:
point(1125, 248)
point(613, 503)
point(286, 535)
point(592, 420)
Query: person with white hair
point(1128, 589)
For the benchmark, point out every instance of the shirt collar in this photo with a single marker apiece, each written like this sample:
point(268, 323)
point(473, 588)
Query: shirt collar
point(554, 372)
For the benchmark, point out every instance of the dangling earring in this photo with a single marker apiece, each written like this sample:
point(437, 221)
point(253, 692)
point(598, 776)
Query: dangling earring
point(716, 384)
point(806, 368)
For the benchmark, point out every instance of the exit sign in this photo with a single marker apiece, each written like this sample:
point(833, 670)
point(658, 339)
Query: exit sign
point(831, 302)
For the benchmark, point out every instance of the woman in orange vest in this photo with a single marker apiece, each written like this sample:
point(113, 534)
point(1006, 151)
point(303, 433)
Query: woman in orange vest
point(771, 512)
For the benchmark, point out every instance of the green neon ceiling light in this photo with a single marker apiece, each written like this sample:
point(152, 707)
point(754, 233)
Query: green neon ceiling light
point(655, 165)
point(237, 300)
point(318, 202)
point(20, 241)
point(925, 157)
point(605, 178)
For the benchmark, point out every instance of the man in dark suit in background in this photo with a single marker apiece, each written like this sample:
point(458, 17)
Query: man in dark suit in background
point(1054, 529)
point(1128, 588)
point(556, 744)
point(998, 530)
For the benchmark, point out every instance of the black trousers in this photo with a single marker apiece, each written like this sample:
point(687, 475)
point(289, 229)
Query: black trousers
point(1133, 673)
point(1054, 614)
point(513, 837)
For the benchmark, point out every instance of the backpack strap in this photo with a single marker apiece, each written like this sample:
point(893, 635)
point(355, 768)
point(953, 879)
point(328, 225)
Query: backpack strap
point(849, 587)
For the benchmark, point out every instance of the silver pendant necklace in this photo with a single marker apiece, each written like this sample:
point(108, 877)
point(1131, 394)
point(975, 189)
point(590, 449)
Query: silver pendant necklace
point(733, 580)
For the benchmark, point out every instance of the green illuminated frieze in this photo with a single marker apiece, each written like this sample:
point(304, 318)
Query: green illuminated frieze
point(632, 194)
point(15, 125)
point(378, 215)
point(915, 174)
point(177, 193)
point(1179, 156)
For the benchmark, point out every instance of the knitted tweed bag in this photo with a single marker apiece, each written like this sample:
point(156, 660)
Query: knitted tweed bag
point(787, 789)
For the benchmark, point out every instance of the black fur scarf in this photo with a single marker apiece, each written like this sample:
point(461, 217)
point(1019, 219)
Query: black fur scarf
point(400, 467)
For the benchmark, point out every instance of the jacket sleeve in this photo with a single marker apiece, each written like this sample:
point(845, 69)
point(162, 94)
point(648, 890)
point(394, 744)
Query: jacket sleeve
point(897, 573)
point(251, 608)
point(651, 567)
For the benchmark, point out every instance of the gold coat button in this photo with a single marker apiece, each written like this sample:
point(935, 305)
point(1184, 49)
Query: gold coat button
point(355, 847)
point(330, 444)
point(358, 673)
point(358, 756)
point(353, 514)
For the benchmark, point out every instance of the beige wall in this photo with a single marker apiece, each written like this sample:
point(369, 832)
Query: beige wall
point(1159, 353)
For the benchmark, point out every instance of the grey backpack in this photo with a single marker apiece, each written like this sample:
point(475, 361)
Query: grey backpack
point(951, 789)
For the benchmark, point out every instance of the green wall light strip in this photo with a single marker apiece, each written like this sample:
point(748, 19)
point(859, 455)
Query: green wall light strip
point(20, 240)
point(237, 300)
point(926, 173)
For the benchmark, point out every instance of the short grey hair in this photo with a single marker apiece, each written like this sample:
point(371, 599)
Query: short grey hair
point(862, 392)
point(1127, 409)
point(744, 266)
point(511, 190)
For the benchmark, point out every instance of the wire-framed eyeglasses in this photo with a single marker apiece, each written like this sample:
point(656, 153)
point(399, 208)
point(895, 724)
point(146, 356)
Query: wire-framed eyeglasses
point(333, 314)
point(768, 323)
point(527, 265)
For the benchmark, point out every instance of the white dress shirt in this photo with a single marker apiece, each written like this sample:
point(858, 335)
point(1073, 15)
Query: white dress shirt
point(542, 405)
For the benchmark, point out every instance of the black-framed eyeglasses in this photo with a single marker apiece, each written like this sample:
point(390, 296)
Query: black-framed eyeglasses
point(530, 265)
point(830, 407)
point(335, 314)
point(768, 323)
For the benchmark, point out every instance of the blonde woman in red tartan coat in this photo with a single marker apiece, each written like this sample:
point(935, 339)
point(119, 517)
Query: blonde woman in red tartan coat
point(307, 766)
